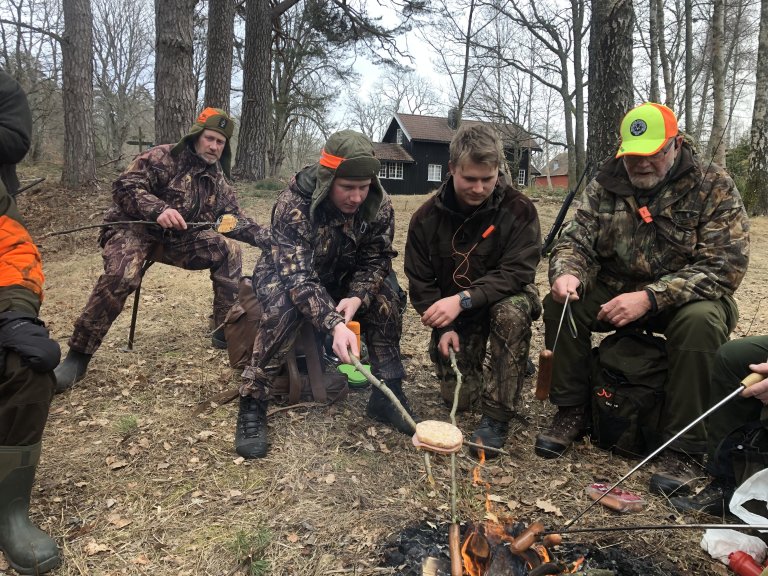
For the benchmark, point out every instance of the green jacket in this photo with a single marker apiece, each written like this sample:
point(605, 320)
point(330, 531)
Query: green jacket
point(695, 248)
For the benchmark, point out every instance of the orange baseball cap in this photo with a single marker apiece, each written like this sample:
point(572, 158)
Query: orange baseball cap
point(645, 129)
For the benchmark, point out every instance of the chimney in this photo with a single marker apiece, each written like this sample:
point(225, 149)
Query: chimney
point(453, 118)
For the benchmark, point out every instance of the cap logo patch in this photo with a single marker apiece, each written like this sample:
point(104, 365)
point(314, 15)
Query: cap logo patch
point(222, 123)
point(638, 127)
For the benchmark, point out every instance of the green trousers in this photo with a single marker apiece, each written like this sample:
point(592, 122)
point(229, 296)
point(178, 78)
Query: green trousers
point(693, 331)
point(731, 366)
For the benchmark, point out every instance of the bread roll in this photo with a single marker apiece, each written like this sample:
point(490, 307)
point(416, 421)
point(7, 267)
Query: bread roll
point(439, 434)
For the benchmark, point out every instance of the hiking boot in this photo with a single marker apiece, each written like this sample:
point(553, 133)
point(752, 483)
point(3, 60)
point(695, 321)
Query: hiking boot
point(530, 368)
point(218, 339)
point(568, 425)
point(675, 472)
point(251, 434)
point(72, 370)
point(491, 433)
point(380, 407)
point(712, 500)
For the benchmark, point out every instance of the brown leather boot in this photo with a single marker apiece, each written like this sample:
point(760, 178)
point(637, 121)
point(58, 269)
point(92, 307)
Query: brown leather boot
point(568, 425)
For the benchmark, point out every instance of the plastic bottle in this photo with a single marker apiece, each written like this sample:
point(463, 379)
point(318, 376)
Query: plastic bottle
point(743, 564)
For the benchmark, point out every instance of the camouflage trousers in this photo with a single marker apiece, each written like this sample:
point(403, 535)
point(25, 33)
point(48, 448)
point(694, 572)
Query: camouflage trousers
point(124, 253)
point(25, 396)
point(381, 326)
point(492, 357)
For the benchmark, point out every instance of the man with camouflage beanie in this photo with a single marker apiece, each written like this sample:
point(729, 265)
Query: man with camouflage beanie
point(660, 241)
point(331, 256)
point(174, 186)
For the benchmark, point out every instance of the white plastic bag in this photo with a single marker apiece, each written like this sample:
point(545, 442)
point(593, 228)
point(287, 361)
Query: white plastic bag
point(720, 543)
point(755, 488)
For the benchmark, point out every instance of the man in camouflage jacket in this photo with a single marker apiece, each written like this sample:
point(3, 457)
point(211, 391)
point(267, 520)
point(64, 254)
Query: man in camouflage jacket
point(174, 186)
point(331, 253)
point(471, 260)
point(660, 240)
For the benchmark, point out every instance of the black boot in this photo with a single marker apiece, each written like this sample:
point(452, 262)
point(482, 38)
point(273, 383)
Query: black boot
point(28, 549)
point(251, 434)
point(491, 433)
point(382, 409)
point(713, 500)
point(218, 339)
point(72, 370)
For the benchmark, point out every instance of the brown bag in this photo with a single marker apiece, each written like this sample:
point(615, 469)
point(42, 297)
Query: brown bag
point(294, 383)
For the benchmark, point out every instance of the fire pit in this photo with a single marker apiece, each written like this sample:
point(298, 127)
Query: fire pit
point(422, 550)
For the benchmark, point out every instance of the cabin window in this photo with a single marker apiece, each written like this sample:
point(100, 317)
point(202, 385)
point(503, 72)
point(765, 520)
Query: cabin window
point(521, 177)
point(396, 170)
point(435, 172)
point(383, 170)
point(399, 136)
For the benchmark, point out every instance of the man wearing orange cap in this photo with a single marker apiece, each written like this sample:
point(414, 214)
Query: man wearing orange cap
point(660, 241)
point(330, 262)
point(174, 186)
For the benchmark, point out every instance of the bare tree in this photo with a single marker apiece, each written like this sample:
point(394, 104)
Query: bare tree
point(251, 156)
point(610, 73)
point(77, 89)
point(757, 179)
point(406, 91)
point(218, 69)
point(123, 52)
point(369, 115)
point(716, 149)
point(174, 80)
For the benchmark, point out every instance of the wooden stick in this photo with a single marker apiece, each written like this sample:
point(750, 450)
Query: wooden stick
point(386, 391)
point(454, 532)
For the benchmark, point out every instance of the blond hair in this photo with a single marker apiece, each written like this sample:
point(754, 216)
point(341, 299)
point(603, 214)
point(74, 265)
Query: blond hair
point(478, 143)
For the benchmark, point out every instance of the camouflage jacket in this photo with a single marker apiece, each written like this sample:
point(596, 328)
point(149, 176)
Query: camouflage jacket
point(695, 248)
point(318, 254)
point(500, 265)
point(158, 179)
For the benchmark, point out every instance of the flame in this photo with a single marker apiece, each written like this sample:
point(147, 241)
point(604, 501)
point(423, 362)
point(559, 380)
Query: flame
point(576, 565)
point(474, 553)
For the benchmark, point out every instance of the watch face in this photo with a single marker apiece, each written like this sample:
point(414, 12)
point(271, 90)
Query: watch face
point(465, 301)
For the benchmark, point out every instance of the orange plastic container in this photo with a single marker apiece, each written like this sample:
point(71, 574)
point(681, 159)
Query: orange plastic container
point(355, 327)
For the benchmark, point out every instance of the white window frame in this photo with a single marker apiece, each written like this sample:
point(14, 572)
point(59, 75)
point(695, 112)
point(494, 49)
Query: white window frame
point(383, 170)
point(399, 136)
point(432, 176)
point(395, 171)
point(521, 177)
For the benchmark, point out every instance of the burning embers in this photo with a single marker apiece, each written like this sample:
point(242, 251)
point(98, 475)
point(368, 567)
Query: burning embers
point(500, 548)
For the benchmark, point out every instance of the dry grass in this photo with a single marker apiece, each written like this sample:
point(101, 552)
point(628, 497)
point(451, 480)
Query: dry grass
point(132, 483)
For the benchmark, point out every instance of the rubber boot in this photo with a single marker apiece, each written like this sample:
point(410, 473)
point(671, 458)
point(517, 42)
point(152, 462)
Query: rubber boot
point(28, 549)
point(72, 370)
point(491, 433)
point(219, 339)
point(251, 434)
point(382, 409)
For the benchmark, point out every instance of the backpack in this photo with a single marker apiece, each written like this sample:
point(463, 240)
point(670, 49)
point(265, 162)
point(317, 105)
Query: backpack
point(745, 450)
point(301, 378)
point(628, 374)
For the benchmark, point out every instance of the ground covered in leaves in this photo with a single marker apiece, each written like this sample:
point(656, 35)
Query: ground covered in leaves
point(132, 482)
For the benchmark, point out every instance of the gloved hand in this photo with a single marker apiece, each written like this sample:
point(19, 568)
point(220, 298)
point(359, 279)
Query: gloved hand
point(28, 337)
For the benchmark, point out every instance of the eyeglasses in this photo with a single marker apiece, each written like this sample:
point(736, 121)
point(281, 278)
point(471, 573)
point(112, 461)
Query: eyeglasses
point(653, 157)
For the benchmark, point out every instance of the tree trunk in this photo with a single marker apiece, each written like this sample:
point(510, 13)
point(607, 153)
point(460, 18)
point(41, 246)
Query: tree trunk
point(716, 148)
point(610, 74)
point(666, 68)
point(577, 8)
point(77, 94)
point(653, 37)
point(218, 69)
point(257, 105)
point(757, 177)
point(689, 66)
point(174, 78)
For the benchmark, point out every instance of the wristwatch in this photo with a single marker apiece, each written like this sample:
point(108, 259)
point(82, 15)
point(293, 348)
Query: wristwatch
point(465, 301)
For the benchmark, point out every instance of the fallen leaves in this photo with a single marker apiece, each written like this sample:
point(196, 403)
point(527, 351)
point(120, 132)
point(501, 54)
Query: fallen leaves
point(548, 507)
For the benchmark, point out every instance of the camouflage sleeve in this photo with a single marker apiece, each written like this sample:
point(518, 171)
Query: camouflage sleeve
point(292, 254)
point(133, 191)
point(375, 254)
point(720, 260)
point(248, 230)
point(574, 252)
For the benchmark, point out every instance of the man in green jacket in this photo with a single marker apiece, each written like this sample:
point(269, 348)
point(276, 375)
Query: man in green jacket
point(660, 240)
point(471, 258)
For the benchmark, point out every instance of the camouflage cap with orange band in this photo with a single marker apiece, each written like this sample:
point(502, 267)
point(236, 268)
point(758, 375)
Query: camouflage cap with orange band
point(350, 154)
